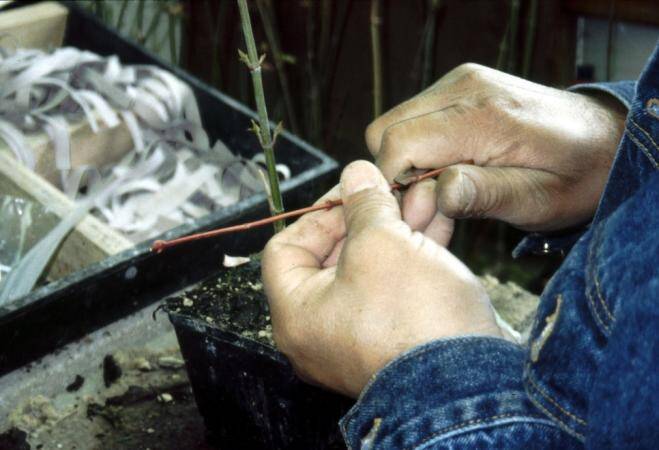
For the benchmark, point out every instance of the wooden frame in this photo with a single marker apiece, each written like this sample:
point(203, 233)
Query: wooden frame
point(43, 26)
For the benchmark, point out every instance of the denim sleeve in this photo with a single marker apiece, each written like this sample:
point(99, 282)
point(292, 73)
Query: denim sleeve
point(536, 243)
point(455, 393)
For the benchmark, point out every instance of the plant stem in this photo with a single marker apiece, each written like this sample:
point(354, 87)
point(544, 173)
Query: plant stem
point(325, 28)
point(152, 25)
point(514, 21)
point(609, 39)
point(273, 41)
point(503, 49)
point(329, 70)
point(530, 38)
point(429, 43)
point(315, 117)
point(98, 9)
point(122, 12)
point(214, 32)
point(376, 46)
point(265, 138)
point(139, 18)
point(172, 37)
point(159, 246)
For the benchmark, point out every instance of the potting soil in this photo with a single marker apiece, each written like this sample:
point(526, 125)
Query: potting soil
point(233, 300)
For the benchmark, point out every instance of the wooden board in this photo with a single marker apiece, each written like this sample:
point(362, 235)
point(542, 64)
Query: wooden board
point(43, 26)
point(36, 26)
point(90, 242)
point(87, 148)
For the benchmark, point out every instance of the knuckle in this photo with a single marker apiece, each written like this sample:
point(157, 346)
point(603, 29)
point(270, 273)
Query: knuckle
point(499, 107)
point(373, 137)
point(469, 73)
point(392, 139)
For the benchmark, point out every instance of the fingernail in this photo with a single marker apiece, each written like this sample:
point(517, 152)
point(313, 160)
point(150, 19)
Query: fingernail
point(357, 177)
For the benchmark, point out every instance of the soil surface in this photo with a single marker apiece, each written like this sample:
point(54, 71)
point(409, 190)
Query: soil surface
point(149, 405)
point(233, 301)
point(165, 417)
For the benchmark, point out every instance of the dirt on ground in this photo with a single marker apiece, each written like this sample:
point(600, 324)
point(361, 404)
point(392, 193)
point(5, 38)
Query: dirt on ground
point(143, 401)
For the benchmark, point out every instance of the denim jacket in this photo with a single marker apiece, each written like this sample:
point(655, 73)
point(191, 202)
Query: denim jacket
point(589, 377)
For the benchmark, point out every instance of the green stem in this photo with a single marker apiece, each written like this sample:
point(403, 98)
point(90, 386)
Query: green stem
point(429, 44)
point(325, 28)
point(214, 32)
point(265, 138)
point(514, 21)
point(152, 25)
point(376, 45)
point(172, 39)
point(122, 12)
point(503, 49)
point(530, 38)
point(273, 41)
point(140, 20)
point(329, 69)
point(315, 106)
point(98, 9)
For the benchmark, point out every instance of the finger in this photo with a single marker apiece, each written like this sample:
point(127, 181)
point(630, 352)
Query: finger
point(297, 253)
point(420, 213)
point(333, 258)
point(367, 198)
point(520, 196)
point(440, 229)
point(420, 205)
point(430, 141)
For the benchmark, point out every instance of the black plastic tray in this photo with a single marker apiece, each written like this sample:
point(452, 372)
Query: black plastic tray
point(248, 393)
point(67, 309)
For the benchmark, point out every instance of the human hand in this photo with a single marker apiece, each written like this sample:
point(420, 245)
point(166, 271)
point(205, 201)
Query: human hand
point(391, 289)
point(541, 155)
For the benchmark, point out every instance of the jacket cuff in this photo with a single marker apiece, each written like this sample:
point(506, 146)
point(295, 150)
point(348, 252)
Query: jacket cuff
point(437, 389)
point(623, 91)
point(541, 244)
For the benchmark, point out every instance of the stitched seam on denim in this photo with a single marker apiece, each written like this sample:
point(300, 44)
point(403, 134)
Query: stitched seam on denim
point(555, 403)
point(429, 347)
point(467, 423)
point(649, 136)
point(591, 276)
point(643, 148)
point(601, 298)
point(596, 313)
point(346, 437)
point(530, 420)
point(568, 429)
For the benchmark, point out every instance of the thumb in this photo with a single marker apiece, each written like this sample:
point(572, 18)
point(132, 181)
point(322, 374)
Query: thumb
point(367, 198)
point(516, 195)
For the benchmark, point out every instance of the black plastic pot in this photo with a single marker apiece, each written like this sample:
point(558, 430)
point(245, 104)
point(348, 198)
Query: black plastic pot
point(247, 391)
point(67, 309)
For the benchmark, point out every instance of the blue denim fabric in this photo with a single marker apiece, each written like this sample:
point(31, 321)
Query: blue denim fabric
point(590, 376)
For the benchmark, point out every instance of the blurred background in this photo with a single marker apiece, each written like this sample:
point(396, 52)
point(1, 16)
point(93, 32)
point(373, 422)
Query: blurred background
point(333, 65)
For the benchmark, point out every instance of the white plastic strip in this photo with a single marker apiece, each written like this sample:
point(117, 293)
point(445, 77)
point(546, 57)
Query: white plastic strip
point(16, 142)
